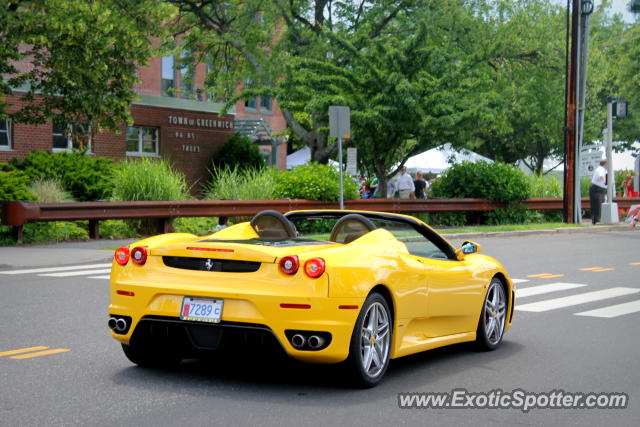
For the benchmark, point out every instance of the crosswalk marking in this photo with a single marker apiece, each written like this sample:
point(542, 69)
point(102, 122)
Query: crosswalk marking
point(519, 280)
point(106, 276)
point(613, 310)
point(555, 303)
point(76, 273)
point(52, 269)
point(544, 289)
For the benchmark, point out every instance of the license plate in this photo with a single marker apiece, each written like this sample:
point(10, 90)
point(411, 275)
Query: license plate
point(201, 309)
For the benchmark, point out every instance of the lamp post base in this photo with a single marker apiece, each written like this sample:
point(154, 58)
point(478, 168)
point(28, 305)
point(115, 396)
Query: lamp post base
point(610, 213)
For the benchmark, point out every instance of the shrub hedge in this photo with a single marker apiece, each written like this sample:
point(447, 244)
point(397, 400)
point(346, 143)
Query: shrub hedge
point(238, 152)
point(87, 178)
point(314, 181)
point(493, 181)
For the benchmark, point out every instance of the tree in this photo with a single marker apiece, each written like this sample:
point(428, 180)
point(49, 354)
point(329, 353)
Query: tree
point(517, 58)
point(79, 60)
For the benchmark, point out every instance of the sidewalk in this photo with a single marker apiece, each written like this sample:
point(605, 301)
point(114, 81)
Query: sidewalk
point(58, 254)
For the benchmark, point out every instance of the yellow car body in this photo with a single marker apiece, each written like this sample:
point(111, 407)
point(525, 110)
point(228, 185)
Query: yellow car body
point(433, 302)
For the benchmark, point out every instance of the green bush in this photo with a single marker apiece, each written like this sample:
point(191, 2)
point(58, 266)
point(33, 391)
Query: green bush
point(87, 178)
point(148, 179)
point(49, 190)
point(545, 186)
point(483, 180)
point(199, 226)
point(241, 184)
point(13, 186)
point(314, 181)
point(238, 152)
point(508, 216)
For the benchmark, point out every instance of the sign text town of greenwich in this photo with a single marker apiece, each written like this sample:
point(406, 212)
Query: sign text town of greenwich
point(206, 123)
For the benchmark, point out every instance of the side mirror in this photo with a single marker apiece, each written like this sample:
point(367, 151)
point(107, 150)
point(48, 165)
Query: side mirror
point(467, 248)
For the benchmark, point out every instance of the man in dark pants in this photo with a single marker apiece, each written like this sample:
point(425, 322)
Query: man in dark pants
point(597, 191)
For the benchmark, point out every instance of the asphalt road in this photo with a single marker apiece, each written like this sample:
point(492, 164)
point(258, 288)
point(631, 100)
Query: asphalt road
point(84, 379)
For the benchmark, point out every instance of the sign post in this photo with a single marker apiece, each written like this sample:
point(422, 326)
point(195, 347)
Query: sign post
point(340, 127)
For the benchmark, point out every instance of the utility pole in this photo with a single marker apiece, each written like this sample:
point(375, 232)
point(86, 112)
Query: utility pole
point(574, 109)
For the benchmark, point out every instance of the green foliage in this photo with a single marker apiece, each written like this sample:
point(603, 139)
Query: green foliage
point(85, 55)
point(314, 181)
point(241, 184)
point(49, 190)
point(444, 219)
point(199, 226)
point(87, 178)
point(508, 216)
point(585, 183)
point(117, 229)
point(238, 152)
point(483, 180)
point(13, 186)
point(545, 186)
point(148, 179)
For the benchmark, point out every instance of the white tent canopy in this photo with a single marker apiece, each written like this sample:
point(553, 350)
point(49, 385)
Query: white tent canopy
point(438, 159)
point(301, 157)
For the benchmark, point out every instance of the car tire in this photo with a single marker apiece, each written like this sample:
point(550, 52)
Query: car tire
point(493, 317)
point(371, 342)
point(150, 356)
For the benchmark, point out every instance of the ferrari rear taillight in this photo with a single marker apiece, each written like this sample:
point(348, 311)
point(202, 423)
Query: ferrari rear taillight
point(289, 264)
point(314, 267)
point(139, 255)
point(122, 255)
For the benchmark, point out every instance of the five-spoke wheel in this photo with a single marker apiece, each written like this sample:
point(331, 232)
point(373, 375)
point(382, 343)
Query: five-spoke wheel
point(493, 317)
point(371, 341)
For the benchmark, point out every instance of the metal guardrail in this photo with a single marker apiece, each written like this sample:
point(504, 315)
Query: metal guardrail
point(17, 214)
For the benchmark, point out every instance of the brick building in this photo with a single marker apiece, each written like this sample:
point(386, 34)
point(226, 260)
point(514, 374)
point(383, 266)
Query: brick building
point(172, 118)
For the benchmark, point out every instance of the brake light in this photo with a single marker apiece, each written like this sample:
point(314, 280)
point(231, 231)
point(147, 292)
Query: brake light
point(314, 267)
point(139, 255)
point(289, 264)
point(122, 255)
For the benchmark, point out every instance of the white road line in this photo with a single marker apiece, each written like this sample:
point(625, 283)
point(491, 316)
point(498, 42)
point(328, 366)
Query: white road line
point(613, 310)
point(519, 280)
point(100, 277)
point(552, 304)
point(76, 273)
point(545, 289)
point(52, 269)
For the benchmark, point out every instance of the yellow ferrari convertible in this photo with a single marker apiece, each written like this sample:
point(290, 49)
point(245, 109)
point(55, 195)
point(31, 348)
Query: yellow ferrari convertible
point(323, 286)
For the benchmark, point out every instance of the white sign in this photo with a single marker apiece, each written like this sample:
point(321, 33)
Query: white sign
point(352, 161)
point(589, 162)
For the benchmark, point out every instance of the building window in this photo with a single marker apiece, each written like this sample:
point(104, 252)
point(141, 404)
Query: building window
point(62, 136)
point(252, 102)
point(142, 141)
point(168, 76)
point(5, 134)
point(265, 103)
point(187, 69)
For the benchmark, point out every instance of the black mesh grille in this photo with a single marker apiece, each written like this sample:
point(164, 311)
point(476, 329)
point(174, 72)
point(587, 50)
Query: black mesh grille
point(211, 264)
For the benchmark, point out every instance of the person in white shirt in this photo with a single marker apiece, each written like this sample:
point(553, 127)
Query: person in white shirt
point(406, 188)
point(598, 190)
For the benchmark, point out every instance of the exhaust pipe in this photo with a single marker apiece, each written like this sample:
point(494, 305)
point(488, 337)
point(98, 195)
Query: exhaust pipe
point(315, 342)
point(298, 340)
point(121, 325)
point(112, 323)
